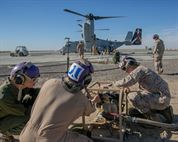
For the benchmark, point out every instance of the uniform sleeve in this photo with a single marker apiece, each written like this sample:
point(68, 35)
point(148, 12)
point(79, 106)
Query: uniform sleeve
point(161, 47)
point(131, 79)
point(11, 109)
point(126, 82)
point(9, 104)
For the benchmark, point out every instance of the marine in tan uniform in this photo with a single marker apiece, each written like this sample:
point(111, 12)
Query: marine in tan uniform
point(158, 52)
point(153, 91)
point(60, 102)
point(80, 49)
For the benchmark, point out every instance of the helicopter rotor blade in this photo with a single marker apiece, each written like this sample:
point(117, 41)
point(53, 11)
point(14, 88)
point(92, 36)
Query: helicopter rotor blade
point(79, 20)
point(79, 31)
point(80, 25)
point(102, 29)
point(106, 17)
point(73, 12)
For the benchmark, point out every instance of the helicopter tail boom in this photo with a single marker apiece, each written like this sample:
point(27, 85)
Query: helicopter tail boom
point(134, 38)
point(137, 37)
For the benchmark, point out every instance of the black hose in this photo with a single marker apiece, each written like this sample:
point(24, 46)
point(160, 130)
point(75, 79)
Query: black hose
point(165, 126)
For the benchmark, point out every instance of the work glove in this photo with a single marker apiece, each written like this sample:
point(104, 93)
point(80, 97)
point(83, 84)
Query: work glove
point(126, 90)
point(26, 101)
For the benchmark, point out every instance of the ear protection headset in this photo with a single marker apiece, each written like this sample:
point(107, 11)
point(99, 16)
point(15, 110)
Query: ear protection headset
point(19, 77)
point(87, 79)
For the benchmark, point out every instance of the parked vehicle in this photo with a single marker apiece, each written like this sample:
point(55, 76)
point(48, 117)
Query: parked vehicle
point(20, 51)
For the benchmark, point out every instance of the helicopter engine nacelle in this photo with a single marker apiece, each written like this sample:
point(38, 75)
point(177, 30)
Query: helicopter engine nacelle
point(88, 36)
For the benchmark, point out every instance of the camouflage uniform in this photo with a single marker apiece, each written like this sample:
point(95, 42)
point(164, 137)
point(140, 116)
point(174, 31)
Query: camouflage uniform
point(154, 91)
point(80, 49)
point(158, 52)
point(54, 110)
point(13, 114)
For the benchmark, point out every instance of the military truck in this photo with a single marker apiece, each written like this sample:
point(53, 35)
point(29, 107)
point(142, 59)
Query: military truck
point(20, 51)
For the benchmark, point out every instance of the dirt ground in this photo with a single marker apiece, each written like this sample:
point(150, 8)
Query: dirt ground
point(107, 72)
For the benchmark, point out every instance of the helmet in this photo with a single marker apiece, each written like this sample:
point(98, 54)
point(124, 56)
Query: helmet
point(155, 36)
point(80, 72)
point(24, 68)
point(128, 61)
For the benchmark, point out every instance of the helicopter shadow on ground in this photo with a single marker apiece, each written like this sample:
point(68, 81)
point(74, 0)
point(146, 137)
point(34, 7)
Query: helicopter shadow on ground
point(171, 74)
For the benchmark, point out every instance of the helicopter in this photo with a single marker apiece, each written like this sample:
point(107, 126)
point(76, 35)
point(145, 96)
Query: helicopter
point(91, 41)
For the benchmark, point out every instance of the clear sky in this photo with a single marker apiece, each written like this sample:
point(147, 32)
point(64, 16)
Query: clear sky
point(42, 24)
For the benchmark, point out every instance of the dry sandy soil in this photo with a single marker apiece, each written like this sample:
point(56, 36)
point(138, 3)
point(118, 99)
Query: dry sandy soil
point(104, 73)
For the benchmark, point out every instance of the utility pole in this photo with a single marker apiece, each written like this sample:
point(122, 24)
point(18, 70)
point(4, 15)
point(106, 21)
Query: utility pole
point(68, 45)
